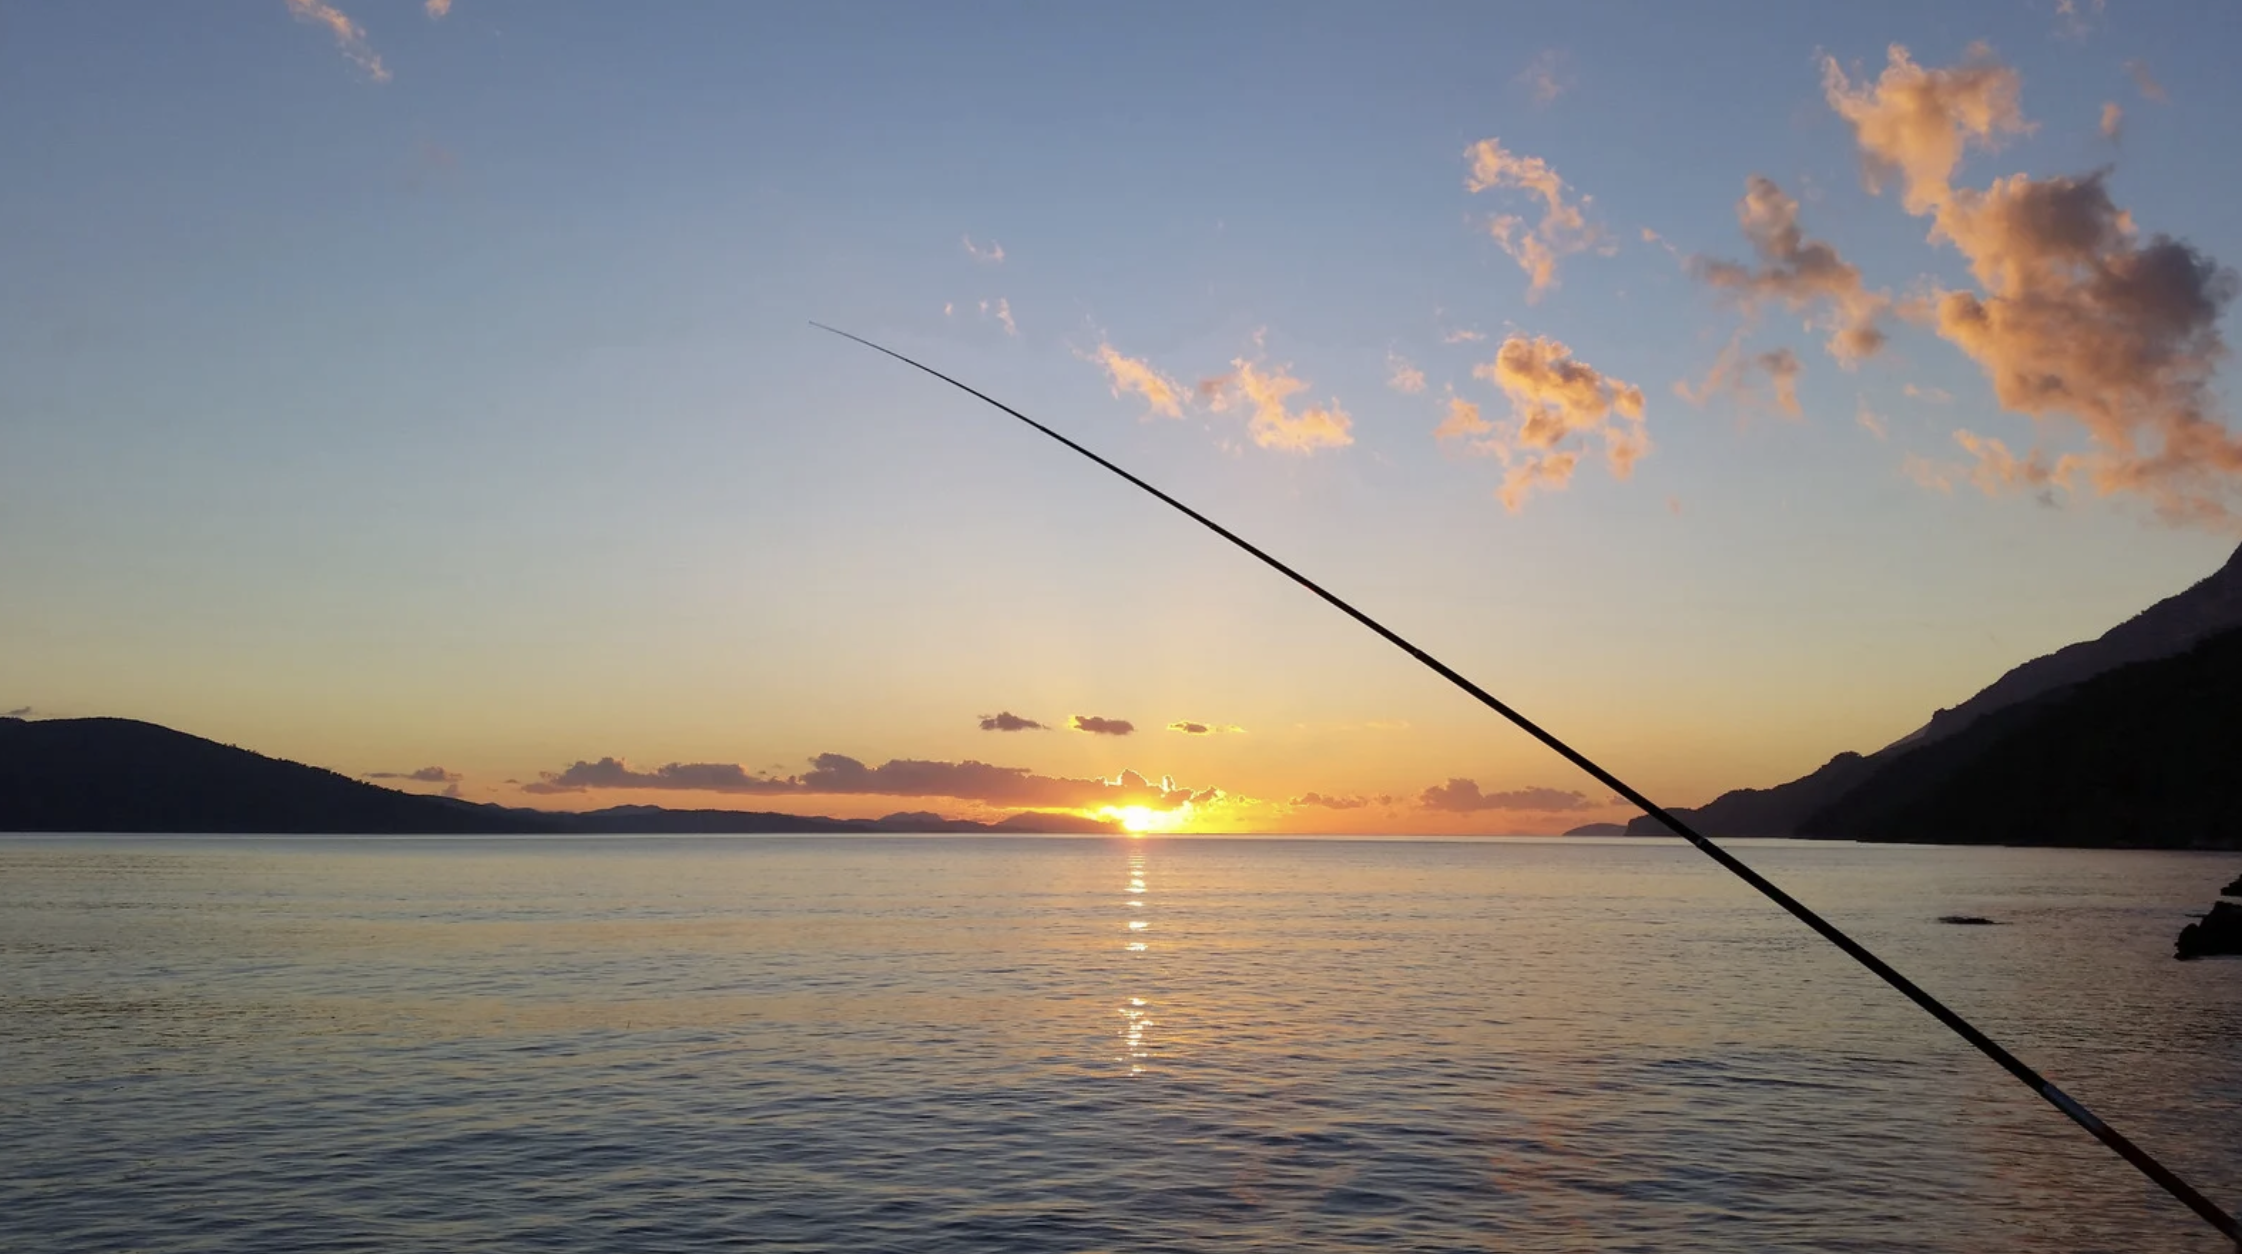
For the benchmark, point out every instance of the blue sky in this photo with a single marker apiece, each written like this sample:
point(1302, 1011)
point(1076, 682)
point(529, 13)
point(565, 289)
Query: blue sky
point(469, 415)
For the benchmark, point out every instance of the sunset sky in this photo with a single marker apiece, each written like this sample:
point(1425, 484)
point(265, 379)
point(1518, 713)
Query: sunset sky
point(425, 388)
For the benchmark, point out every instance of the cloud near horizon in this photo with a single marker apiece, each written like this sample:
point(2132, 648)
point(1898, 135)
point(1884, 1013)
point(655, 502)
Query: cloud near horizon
point(1340, 803)
point(1096, 726)
point(1564, 228)
point(1189, 728)
point(834, 774)
point(1462, 796)
point(1557, 404)
point(425, 775)
point(1007, 721)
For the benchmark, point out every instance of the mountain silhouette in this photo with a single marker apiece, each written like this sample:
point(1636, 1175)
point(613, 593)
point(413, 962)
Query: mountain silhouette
point(122, 775)
point(2169, 628)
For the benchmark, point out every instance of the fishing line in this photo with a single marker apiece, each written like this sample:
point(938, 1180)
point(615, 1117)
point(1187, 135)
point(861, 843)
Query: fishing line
point(2033, 1080)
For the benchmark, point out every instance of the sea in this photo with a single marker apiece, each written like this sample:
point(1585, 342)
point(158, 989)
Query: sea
point(1093, 1044)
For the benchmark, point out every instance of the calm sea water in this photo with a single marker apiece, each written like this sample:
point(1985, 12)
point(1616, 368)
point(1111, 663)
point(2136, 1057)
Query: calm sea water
point(1054, 1045)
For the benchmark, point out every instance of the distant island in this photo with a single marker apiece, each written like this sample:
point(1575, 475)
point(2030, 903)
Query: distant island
point(2128, 740)
point(121, 775)
point(1600, 829)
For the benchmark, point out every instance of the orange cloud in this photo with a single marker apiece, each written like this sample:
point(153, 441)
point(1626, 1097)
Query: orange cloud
point(1190, 728)
point(437, 8)
point(1563, 229)
point(1268, 392)
point(1557, 405)
point(350, 37)
point(1797, 273)
point(1916, 122)
point(1161, 394)
point(1463, 419)
point(2113, 120)
point(2078, 316)
point(1097, 726)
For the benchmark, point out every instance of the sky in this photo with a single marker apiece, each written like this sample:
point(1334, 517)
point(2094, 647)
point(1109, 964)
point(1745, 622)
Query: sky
point(425, 390)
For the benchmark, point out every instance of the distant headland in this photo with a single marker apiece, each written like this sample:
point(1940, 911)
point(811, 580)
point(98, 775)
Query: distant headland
point(121, 775)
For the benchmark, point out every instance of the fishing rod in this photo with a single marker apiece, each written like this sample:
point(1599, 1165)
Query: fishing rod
point(2165, 1178)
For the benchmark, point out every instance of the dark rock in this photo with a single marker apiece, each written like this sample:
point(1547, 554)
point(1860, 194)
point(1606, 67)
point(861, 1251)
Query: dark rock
point(2234, 889)
point(1969, 920)
point(2220, 932)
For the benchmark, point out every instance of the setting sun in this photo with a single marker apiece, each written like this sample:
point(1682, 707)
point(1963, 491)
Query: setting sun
point(1138, 820)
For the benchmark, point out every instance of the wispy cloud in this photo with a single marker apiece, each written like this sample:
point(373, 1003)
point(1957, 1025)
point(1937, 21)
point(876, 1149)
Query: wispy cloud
point(1547, 76)
point(992, 255)
point(1557, 405)
point(1007, 721)
point(350, 37)
point(1266, 392)
point(437, 8)
point(1004, 315)
point(1737, 374)
point(425, 775)
point(1462, 796)
point(1869, 420)
point(2145, 82)
point(1934, 396)
point(1563, 230)
point(1097, 726)
point(1190, 728)
point(1339, 803)
point(1403, 376)
point(1797, 273)
point(834, 774)
point(2113, 121)
point(1162, 395)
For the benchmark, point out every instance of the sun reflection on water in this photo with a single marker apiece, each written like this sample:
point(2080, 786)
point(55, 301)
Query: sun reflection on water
point(1136, 1012)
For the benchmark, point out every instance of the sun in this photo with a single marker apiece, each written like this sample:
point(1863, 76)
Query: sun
point(1137, 820)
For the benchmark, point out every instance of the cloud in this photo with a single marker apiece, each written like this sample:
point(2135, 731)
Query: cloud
point(1915, 122)
point(2145, 82)
point(21, 711)
point(1462, 420)
point(992, 255)
point(2113, 121)
point(1546, 77)
point(2077, 316)
point(1797, 273)
point(1927, 473)
point(1563, 229)
point(1462, 336)
point(1102, 726)
point(2081, 317)
point(425, 775)
point(1935, 396)
point(1007, 721)
point(437, 8)
point(1733, 372)
point(350, 37)
point(1190, 728)
point(1004, 315)
point(833, 774)
point(1162, 395)
point(1403, 376)
point(1462, 796)
point(1557, 405)
point(2073, 23)
point(1329, 803)
point(1267, 392)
